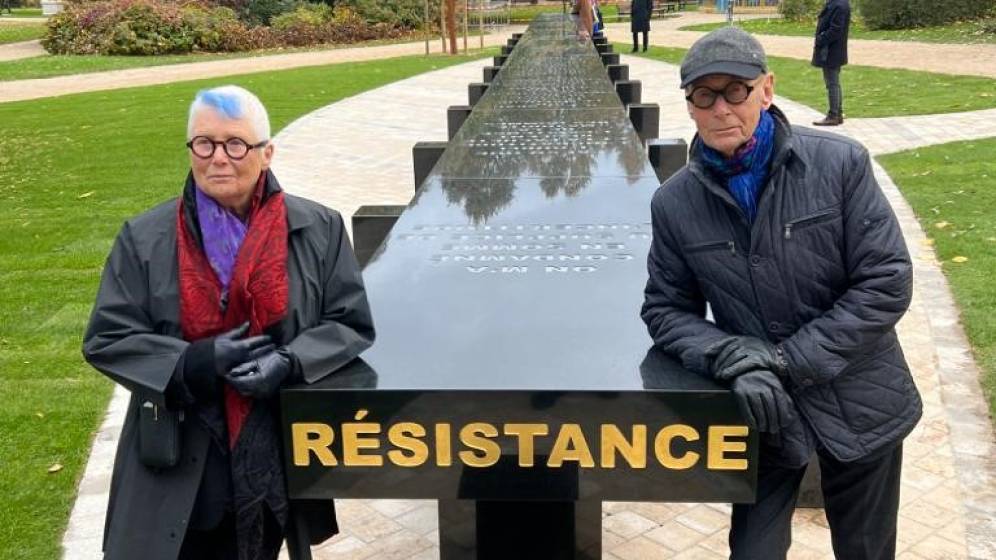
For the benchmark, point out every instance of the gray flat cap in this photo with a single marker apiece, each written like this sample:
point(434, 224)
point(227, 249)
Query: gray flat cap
point(727, 50)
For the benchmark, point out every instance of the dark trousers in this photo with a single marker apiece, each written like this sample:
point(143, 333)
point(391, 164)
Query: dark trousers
point(831, 77)
point(220, 543)
point(861, 500)
point(645, 40)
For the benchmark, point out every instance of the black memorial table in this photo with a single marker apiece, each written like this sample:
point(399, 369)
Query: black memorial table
point(512, 378)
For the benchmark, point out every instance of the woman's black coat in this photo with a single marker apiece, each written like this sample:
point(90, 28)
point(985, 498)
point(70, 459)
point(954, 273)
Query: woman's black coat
point(134, 338)
point(832, 27)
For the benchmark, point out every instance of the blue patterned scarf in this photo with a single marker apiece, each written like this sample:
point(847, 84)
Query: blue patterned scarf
point(745, 173)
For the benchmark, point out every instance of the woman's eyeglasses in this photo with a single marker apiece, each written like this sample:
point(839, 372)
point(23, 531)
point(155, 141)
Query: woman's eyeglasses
point(235, 148)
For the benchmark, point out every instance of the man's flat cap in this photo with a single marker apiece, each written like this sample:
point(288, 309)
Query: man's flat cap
point(728, 50)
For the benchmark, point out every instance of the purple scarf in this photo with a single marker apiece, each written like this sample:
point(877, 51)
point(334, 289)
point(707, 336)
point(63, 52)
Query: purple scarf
point(222, 233)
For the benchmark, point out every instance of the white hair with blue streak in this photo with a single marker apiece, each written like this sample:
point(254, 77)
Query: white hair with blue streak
point(235, 103)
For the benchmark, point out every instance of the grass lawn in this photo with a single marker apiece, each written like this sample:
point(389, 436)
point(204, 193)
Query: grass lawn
point(71, 170)
point(525, 14)
point(869, 91)
point(951, 190)
point(21, 32)
point(22, 12)
point(48, 66)
point(962, 32)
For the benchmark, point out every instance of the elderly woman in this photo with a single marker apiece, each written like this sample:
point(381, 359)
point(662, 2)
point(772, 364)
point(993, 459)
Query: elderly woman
point(208, 304)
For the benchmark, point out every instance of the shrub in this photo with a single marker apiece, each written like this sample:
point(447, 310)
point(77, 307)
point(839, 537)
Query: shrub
point(146, 27)
point(396, 13)
point(909, 14)
point(152, 27)
point(800, 10)
point(262, 12)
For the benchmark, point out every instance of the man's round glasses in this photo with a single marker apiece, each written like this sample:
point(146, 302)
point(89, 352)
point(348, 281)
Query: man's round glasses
point(734, 93)
point(235, 148)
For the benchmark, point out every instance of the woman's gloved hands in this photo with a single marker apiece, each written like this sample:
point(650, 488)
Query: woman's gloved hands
point(230, 349)
point(260, 377)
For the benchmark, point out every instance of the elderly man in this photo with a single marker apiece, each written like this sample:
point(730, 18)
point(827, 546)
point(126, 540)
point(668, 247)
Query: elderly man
point(786, 236)
point(209, 303)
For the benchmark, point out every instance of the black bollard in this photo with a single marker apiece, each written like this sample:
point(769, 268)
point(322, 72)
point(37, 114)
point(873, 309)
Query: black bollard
point(455, 116)
point(646, 119)
point(667, 155)
point(371, 225)
point(424, 156)
point(490, 72)
point(618, 72)
point(475, 92)
point(630, 91)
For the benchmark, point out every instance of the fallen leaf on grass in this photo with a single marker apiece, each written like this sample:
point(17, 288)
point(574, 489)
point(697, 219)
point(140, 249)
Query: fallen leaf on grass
point(54, 468)
point(40, 414)
point(959, 259)
point(86, 194)
point(942, 225)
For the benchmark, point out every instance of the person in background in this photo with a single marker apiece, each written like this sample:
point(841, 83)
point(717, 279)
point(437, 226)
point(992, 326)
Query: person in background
point(830, 54)
point(208, 304)
point(585, 11)
point(785, 234)
point(640, 12)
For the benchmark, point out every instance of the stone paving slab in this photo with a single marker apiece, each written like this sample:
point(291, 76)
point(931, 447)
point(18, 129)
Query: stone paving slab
point(358, 151)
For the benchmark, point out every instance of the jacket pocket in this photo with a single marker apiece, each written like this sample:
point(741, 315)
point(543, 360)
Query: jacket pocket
point(874, 390)
point(810, 220)
point(708, 246)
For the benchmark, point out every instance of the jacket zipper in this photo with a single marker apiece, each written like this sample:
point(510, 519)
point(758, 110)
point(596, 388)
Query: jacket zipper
point(810, 218)
point(730, 245)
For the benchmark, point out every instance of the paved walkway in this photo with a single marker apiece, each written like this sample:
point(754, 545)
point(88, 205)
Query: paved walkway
point(978, 60)
point(975, 60)
point(19, 90)
point(948, 509)
point(17, 51)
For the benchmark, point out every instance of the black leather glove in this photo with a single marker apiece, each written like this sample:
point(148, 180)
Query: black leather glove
point(230, 349)
point(763, 401)
point(260, 378)
point(736, 355)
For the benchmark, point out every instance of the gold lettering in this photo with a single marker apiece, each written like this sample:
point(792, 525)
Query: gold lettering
point(444, 455)
point(526, 433)
point(475, 436)
point(314, 438)
point(352, 443)
point(719, 447)
point(570, 446)
point(662, 447)
point(634, 450)
point(404, 435)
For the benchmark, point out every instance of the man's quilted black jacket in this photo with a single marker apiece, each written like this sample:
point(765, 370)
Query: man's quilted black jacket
point(823, 272)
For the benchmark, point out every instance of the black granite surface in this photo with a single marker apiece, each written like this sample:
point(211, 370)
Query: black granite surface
point(510, 290)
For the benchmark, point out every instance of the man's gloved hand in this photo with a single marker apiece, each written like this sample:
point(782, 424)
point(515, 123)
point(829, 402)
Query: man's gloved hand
point(737, 355)
point(763, 400)
point(261, 377)
point(230, 349)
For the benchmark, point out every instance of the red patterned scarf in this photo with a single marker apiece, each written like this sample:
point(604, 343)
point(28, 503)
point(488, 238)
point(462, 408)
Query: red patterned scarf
point(257, 292)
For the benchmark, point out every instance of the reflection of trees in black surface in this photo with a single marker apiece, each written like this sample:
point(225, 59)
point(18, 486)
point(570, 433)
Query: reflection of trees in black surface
point(481, 198)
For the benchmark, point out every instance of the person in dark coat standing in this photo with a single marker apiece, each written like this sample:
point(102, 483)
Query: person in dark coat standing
point(207, 306)
point(785, 235)
point(640, 11)
point(830, 54)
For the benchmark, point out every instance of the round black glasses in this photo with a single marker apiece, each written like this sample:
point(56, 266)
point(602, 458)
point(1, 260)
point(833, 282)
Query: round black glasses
point(734, 93)
point(235, 148)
